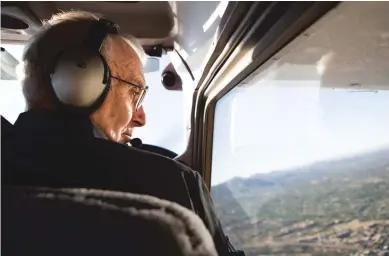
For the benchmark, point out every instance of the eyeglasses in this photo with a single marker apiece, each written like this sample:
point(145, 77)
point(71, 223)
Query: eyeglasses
point(139, 96)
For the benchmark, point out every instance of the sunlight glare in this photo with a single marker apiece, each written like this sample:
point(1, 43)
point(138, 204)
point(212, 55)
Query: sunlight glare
point(219, 11)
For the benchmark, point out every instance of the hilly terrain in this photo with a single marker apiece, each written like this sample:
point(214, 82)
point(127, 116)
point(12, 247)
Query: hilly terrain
point(328, 208)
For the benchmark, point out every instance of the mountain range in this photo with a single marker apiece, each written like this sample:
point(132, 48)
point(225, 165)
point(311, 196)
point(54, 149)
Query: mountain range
point(301, 207)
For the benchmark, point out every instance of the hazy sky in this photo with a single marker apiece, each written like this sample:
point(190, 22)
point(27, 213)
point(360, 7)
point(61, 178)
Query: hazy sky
point(275, 125)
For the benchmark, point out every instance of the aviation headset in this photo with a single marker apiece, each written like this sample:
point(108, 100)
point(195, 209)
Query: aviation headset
point(80, 76)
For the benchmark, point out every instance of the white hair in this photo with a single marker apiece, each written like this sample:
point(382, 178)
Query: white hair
point(137, 47)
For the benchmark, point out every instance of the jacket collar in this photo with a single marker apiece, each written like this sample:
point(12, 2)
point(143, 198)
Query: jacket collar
point(52, 123)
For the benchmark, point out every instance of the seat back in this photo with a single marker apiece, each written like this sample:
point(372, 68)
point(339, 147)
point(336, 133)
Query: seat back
point(43, 221)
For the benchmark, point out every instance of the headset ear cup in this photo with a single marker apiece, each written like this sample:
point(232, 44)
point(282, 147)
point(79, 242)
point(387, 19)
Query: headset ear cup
point(107, 84)
point(107, 71)
point(79, 78)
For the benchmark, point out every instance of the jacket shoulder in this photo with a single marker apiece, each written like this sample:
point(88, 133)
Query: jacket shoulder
point(144, 172)
point(129, 155)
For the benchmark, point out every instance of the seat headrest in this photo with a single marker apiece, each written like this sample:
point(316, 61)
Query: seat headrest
point(44, 221)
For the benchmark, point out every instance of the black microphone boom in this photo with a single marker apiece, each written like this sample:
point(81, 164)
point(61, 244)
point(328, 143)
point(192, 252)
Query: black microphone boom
point(136, 143)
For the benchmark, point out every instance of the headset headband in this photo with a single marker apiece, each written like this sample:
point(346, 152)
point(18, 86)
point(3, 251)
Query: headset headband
point(98, 33)
point(94, 39)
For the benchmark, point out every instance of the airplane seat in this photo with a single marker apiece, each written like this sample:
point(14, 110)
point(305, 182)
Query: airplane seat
point(44, 221)
point(6, 127)
point(48, 221)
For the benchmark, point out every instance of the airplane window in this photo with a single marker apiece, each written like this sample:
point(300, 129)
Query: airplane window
point(300, 162)
point(166, 120)
point(165, 114)
point(12, 102)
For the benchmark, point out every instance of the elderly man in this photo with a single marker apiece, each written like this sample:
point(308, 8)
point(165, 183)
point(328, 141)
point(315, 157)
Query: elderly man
point(58, 142)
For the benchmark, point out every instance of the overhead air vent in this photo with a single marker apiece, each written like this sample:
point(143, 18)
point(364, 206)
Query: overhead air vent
point(16, 25)
point(10, 22)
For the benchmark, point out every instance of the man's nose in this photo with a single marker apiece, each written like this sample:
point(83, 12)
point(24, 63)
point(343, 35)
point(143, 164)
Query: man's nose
point(139, 118)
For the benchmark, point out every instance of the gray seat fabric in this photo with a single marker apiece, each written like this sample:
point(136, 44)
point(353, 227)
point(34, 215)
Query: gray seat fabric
point(43, 221)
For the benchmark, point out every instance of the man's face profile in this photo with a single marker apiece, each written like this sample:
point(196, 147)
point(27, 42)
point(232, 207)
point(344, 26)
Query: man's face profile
point(118, 114)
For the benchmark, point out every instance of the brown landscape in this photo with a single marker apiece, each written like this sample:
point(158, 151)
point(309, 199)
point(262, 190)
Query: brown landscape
point(326, 209)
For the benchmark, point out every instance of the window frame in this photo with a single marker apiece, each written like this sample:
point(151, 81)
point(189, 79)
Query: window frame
point(263, 32)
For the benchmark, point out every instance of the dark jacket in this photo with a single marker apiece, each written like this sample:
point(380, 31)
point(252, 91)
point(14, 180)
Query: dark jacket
point(50, 150)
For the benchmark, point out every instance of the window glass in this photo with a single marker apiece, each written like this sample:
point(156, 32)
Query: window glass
point(12, 102)
point(165, 114)
point(166, 120)
point(300, 162)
